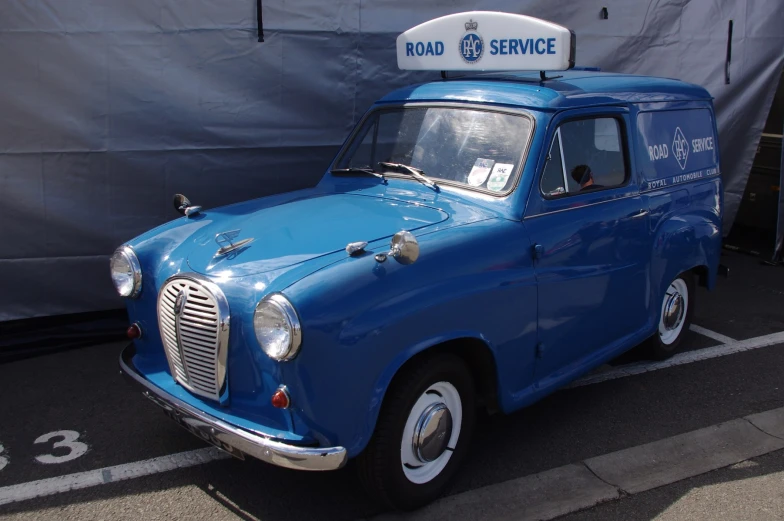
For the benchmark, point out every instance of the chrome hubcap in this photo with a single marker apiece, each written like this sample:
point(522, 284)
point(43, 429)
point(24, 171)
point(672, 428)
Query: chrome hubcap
point(673, 311)
point(432, 432)
point(675, 307)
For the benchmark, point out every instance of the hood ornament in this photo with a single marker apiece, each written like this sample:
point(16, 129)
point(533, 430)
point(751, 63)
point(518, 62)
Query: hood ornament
point(226, 242)
point(184, 206)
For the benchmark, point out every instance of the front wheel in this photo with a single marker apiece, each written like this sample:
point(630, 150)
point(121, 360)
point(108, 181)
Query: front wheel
point(676, 310)
point(422, 433)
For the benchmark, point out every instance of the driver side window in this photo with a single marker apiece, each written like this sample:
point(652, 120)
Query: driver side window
point(585, 154)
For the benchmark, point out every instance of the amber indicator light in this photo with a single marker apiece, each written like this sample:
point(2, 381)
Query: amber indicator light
point(281, 399)
point(134, 331)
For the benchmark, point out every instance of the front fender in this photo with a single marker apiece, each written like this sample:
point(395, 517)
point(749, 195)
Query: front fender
point(362, 320)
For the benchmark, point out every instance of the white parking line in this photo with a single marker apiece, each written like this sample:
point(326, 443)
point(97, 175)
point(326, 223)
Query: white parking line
point(46, 487)
point(91, 478)
point(688, 357)
point(711, 334)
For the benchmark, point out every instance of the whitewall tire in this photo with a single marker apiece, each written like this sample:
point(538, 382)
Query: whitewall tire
point(422, 433)
point(676, 308)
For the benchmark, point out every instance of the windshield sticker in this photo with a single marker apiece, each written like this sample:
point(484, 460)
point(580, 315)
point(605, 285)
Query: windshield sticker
point(480, 171)
point(499, 176)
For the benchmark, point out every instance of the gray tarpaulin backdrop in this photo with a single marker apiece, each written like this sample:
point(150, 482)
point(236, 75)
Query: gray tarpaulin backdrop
point(108, 107)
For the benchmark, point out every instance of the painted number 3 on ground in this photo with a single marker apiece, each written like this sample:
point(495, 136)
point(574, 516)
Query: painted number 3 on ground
point(3, 458)
point(62, 440)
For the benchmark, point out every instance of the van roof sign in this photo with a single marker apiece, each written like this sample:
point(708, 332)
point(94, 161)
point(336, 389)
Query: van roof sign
point(486, 41)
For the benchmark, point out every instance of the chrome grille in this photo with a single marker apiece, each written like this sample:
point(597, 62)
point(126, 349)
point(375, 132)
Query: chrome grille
point(193, 317)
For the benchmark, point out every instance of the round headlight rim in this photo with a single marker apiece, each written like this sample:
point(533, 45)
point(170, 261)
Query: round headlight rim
point(136, 269)
point(287, 308)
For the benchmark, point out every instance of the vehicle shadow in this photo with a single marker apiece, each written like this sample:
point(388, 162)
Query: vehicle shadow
point(566, 427)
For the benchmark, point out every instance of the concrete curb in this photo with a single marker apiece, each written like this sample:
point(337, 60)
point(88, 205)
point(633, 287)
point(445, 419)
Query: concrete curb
point(573, 487)
point(770, 422)
point(546, 495)
point(669, 460)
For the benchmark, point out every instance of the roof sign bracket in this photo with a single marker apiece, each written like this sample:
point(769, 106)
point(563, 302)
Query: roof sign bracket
point(543, 76)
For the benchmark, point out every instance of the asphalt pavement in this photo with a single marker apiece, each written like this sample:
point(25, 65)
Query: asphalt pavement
point(81, 391)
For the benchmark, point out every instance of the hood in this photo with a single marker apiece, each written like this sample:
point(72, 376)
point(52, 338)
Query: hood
point(297, 231)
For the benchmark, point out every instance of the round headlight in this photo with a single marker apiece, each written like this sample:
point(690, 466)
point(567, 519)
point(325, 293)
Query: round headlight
point(126, 272)
point(277, 327)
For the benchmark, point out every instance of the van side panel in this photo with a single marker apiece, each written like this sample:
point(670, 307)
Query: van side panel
point(677, 158)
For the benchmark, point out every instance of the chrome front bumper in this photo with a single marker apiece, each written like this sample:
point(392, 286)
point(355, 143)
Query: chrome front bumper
point(234, 440)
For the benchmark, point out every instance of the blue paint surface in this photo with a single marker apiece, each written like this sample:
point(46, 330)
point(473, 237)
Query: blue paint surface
point(590, 290)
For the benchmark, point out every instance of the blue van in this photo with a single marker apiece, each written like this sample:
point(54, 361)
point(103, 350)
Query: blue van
point(479, 241)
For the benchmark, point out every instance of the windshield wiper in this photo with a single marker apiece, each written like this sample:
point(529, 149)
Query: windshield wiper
point(357, 170)
point(414, 172)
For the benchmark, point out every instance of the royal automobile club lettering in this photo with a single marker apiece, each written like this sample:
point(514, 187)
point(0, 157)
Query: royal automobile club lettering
point(681, 178)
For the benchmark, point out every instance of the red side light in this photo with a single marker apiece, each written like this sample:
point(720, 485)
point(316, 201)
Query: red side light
point(134, 331)
point(281, 399)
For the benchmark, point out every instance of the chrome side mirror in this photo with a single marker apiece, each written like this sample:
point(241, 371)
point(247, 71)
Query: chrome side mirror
point(404, 248)
point(183, 205)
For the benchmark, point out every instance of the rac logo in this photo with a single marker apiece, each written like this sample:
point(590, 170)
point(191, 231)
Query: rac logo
point(680, 148)
point(471, 45)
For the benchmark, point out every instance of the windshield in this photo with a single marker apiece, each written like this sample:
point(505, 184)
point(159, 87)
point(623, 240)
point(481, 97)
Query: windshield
point(476, 148)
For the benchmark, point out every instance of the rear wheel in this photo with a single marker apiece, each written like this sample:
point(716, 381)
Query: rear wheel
point(676, 310)
point(422, 433)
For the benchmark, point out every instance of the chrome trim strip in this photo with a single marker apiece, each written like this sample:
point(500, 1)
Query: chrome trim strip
point(265, 449)
point(287, 307)
point(563, 161)
point(179, 305)
point(626, 196)
point(133, 260)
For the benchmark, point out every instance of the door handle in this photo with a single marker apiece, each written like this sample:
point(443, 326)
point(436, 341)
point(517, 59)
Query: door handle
point(641, 213)
point(537, 250)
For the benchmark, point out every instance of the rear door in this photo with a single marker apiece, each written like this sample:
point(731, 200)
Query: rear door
point(589, 229)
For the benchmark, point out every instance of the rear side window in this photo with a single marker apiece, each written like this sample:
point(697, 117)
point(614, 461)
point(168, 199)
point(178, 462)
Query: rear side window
point(586, 154)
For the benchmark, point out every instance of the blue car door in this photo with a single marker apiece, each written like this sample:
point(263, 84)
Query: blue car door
point(589, 231)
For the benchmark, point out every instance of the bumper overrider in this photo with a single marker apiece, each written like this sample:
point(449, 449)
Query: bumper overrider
point(231, 438)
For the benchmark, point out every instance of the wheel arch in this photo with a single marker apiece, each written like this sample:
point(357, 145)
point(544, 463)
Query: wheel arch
point(686, 241)
point(479, 359)
point(702, 275)
point(685, 249)
point(473, 349)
